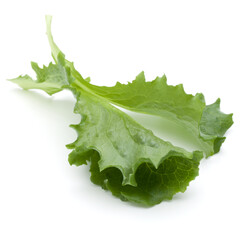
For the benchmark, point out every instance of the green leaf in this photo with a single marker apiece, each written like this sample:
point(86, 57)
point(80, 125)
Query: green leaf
point(214, 124)
point(153, 185)
point(51, 79)
point(206, 123)
point(126, 158)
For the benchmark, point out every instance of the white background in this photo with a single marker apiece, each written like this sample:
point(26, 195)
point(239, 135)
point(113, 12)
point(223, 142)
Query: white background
point(196, 43)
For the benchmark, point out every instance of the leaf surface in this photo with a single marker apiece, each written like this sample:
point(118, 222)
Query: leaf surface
point(126, 158)
point(205, 122)
point(130, 161)
point(50, 79)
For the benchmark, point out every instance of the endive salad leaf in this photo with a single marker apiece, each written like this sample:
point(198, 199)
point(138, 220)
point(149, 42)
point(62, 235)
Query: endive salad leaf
point(126, 158)
point(51, 79)
point(205, 122)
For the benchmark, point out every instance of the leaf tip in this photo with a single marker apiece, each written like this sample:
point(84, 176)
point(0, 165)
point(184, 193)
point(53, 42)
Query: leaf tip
point(130, 180)
point(218, 101)
point(163, 79)
point(140, 77)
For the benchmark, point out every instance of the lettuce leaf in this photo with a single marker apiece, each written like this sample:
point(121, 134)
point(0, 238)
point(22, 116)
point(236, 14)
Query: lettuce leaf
point(205, 122)
point(126, 158)
point(51, 79)
point(128, 153)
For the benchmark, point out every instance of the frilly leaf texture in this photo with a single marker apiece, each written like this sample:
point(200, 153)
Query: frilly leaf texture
point(126, 158)
point(205, 122)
